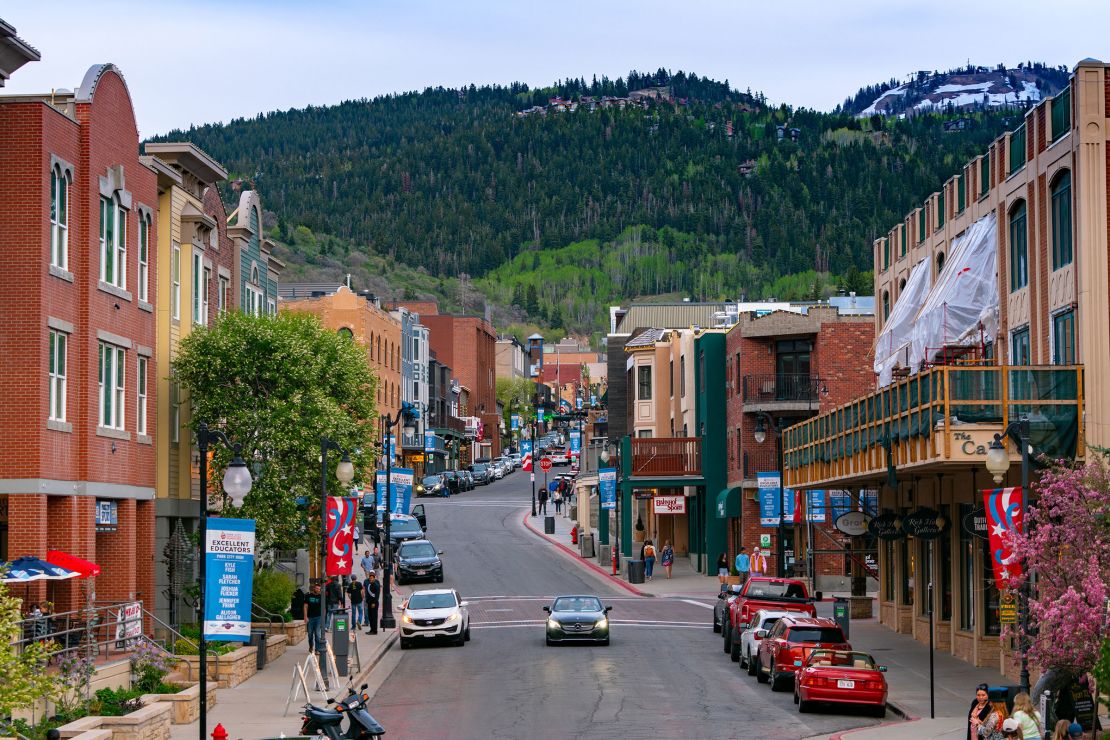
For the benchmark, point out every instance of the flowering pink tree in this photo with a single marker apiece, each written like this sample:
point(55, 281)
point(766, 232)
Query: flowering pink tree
point(1066, 543)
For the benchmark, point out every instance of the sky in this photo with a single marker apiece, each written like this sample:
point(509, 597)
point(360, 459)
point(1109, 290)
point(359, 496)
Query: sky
point(213, 60)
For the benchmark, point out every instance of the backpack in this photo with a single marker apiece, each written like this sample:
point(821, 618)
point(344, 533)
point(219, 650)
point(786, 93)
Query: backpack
point(649, 551)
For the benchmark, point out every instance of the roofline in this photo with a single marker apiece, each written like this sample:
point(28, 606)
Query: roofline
point(192, 157)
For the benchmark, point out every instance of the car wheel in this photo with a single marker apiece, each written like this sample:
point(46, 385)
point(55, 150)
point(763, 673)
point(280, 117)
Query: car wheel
point(467, 633)
point(548, 641)
point(404, 644)
point(880, 711)
point(778, 680)
point(716, 624)
point(734, 653)
point(804, 706)
point(726, 631)
point(759, 674)
point(439, 578)
point(605, 642)
point(751, 666)
point(460, 640)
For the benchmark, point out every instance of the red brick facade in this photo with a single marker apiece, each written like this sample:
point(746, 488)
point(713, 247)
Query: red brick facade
point(53, 472)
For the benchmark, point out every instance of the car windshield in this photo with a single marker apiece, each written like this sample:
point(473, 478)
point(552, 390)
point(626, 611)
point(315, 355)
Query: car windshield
point(766, 588)
point(417, 550)
point(769, 622)
point(843, 659)
point(432, 601)
point(577, 604)
point(479, 467)
point(432, 480)
point(816, 634)
point(404, 526)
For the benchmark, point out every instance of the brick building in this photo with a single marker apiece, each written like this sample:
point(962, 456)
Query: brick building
point(78, 474)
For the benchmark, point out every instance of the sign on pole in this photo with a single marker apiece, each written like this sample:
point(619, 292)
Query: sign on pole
point(770, 498)
point(545, 464)
point(526, 455)
point(229, 559)
point(607, 488)
point(341, 541)
point(400, 490)
point(575, 443)
point(815, 506)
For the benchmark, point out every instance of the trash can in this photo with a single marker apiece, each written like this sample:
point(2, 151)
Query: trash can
point(549, 525)
point(258, 640)
point(586, 545)
point(842, 615)
point(635, 571)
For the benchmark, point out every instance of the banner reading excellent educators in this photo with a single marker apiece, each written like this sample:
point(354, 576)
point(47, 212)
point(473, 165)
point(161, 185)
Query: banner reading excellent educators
point(229, 560)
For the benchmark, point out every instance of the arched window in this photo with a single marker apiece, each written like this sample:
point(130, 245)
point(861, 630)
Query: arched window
point(1061, 220)
point(59, 218)
point(254, 274)
point(346, 333)
point(886, 305)
point(1019, 248)
point(940, 263)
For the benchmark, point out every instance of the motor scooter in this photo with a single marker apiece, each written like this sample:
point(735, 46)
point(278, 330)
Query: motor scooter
point(329, 722)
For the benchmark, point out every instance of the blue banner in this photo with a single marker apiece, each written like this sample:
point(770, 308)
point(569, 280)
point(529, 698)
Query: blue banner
point(770, 501)
point(607, 488)
point(870, 502)
point(514, 422)
point(229, 581)
point(815, 506)
point(578, 403)
point(789, 498)
point(400, 490)
point(575, 443)
point(840, 502)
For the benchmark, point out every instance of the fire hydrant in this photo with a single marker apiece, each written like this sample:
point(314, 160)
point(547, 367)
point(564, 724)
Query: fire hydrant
point(219, 733)
point(574, 535)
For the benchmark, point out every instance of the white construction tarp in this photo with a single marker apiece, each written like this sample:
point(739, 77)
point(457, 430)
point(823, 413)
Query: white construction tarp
point(892, 348)
point(962, 307)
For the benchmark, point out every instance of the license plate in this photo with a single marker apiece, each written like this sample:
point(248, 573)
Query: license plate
point(842, 684)
point(421, 572)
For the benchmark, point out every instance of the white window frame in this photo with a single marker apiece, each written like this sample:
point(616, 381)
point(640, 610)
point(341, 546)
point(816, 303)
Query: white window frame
point(113, 243)
point(175, 409)
point(144, 258)
point(198, 265)
point(57, 348)
point(59, 218)
point(141, 396)
point(175, 282)
point(224, 285)
point(271, 307)
point(112, 377)
point(205, 286)
point(254, 300)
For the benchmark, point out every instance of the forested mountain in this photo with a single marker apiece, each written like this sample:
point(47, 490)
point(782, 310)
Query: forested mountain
point(731, 193)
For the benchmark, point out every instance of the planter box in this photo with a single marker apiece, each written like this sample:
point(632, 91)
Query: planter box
point(296, 631)
point(226, 671)
point(275, 647)
point(149, 723)
point(185, 703)
point(862, 607)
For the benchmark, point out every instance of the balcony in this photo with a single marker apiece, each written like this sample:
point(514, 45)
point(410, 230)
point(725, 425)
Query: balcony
point(780, 392)
point(938, 420)
point(666, 457)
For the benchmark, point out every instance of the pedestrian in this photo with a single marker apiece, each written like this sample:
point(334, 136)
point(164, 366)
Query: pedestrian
point(1075, 731)
point(986, 723)
point(743, 564)
point(373, 591)
point(296, 604)
point(649, 558)
point(667, 557)
point(543, 501)
point(557, 498)
point(313, 603)
point(1060, 732)
point(367, 562)
point(333, 600)
point(980, 708)
point(1011, 729)
point(758, 563)
point(354, 591)
point(1027, 717)
point(722, 567)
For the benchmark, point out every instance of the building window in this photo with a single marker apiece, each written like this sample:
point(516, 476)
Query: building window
point(644, 434)
point(886, 253)
point(59, 218)
point(921, 225)
point(175, 409)
point(144, 258)
point(1063, 338)
point(252, 300)
point(671, 386)
point(222, 297)
point(57, 344)
point(271, 307)
point(111, 380)
point(909, 567)
point(175, 282)
point(902, 242)
point(346, 333)
point(1019, 347)
point(1019, 252)
point(886, 305)
point(888, 570)
point(1017, 149)
point(940, 263)
point(992, 624)
point(682, 375)
point(198, 261)
point(1061, 114)
point(1061, 220)
point(643, 383)
point(944, 575)
point(113, 243)
point(926, 575)
point(205, 287)
point(941, 208)
point(140, 406)
point(984, 175)
point(961, 193)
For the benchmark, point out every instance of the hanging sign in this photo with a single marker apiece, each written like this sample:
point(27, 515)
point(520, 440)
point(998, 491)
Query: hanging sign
point(229, 560)
point(607, 488)
point(107, 515)
point(853, 523)
point(400, 491)
point(887, 526)
point(926, 523)
point(815, 506)
point(526, 455)
point(340, 529)
point(839, 503)
point(975, 523)
point(669, 504)
point(1003, 507)
point(770, 500)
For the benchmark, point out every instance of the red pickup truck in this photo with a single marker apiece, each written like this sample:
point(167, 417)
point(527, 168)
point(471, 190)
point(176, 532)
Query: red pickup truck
point(781, 594)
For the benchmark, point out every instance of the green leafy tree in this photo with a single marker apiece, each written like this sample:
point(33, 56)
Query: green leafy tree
point(520, 391)
point(23, 675)
point(276, 384)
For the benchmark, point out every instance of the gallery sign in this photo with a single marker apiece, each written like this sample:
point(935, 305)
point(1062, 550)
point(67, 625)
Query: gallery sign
point(887, 526)
point(926, 523)
point(853, 523)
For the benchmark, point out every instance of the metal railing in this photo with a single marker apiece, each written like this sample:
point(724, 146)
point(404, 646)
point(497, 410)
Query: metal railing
point(780, 387)
point(92, 632)
point(666, 456)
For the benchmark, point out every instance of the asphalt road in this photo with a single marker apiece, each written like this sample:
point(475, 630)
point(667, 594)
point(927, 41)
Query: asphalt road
point(663, 676)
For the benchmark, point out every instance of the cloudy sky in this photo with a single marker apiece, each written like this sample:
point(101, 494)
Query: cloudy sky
point(213, 60)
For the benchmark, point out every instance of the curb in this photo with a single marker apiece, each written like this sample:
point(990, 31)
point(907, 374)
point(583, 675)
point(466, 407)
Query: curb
point(579, 559)
point(901, 712)
point(364, 674)
point(843, 734)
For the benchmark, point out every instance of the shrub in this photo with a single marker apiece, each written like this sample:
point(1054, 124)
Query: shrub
point(149, 665)
point(273, 590)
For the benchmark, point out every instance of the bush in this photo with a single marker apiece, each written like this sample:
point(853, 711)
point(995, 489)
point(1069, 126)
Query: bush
point(273, 590)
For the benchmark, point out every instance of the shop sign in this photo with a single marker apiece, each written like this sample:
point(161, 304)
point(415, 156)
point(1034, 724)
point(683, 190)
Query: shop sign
point(669, 504)
point(107, 515)
point(641, 493)
point(764, 540)
point(971, 444)
point(926, 523)
point(975, 523)
point(853, 523)
point(887, 526)
point(770, 499)
point(130, 621)
point(1007, 608)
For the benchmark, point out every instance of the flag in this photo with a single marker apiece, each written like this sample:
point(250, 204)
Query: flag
point(341, 535)
point(526, 455)
point(1003, 506)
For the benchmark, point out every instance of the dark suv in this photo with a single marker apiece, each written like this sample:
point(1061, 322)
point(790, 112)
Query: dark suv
point(418, 560)
point(481, 473)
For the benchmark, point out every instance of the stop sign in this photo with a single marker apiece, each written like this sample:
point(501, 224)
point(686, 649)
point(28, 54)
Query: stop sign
point(545, 464)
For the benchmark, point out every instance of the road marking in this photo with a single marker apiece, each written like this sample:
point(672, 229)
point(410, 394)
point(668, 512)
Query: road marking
point(499, 610)
point(696, 603)
point(534, 625)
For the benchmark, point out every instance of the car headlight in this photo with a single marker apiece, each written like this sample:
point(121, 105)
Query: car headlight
point(406, 619)
point(453, 618)
point(553, 624)
point(602, 623)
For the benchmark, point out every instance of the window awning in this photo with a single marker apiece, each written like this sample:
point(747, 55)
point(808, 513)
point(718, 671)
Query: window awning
point(728, 502)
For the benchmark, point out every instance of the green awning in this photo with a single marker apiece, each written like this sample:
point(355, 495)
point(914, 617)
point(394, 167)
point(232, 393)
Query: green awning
point(728, 503)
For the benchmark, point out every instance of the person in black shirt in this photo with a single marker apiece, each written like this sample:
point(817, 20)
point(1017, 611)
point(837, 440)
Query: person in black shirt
point(373, 591)
point(313, 604)
point(334, 601)
point(354, 592)
point(296, 606)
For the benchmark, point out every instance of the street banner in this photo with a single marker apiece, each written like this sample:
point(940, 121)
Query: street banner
point(815, 506)
point(869, 502)
point(400, 491)
point(607, 488)
point(578, 403)
point(341, 535)
point(770, 498)
point(429, 441)
point(526, 455)
point(1003, 507)
point(514, 422)
point(593, 399)
point(669, 504)
point(229, 560)
point(575, 443)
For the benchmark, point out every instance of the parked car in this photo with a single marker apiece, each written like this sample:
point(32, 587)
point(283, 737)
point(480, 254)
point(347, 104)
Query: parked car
point(481, 473)
point(454, 481)
point(727, 595)
point(791, 639)
point(418, 560)
point(782, 594)
point(516, 459)
point(560, 457)
point(840, 677)
point(505, 463)
point(746, 646)
point(403, 527)
point(438, 613)
point(467, 479)
point(577, 618)
point(432, 485)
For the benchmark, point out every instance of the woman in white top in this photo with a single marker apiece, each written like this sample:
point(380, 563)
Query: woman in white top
point(1029, 718)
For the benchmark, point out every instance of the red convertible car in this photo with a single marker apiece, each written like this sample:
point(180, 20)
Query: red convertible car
point(840, 677)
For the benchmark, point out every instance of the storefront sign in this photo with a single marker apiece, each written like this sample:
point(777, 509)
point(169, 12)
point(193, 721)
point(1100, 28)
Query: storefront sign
point(669, 504)
point(1084, 705)
point(229, 559)
point(1007, 608)
point(887, 526)
point(770, 500)
point(130, 622)
point(928, 524)
point(607, 488)
point(107, 515)
point(853, 523)
point(971, 444)
point(975, 523)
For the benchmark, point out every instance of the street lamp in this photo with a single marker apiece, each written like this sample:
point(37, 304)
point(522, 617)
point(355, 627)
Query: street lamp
point(998, 463)
point(762, 421)
point(409, 414)
point(236, 484)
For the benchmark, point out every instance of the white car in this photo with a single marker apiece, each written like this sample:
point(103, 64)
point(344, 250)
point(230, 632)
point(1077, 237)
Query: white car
point(434, 613)
point(746, 649)
point(560, 457)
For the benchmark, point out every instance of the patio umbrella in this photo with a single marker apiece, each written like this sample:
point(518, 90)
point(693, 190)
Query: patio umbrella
point(84, 568)
point(28, 568)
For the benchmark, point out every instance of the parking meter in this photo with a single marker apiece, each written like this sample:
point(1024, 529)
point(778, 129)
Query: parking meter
point(340, 640)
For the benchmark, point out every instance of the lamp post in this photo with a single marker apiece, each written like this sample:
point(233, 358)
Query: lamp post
point(998, 463)
point(535, 444)
point(236, 484)
point(763, 421)
point(409, 414)
point(345, 472)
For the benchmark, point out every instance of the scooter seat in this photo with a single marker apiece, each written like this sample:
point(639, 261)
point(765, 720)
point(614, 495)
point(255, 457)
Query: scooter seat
point(323, 715)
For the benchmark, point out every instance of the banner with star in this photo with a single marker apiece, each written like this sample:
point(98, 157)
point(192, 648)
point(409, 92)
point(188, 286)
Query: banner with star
point(1003, 508)
point(341, 534)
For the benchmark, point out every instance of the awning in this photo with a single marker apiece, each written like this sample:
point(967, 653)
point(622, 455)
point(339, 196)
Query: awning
point(64, 559)
point(728, 502)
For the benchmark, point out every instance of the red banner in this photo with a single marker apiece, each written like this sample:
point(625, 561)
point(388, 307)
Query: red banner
point(341, 535)
point(1004, 511)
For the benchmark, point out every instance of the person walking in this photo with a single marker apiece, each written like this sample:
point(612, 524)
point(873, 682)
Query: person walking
point(543, 501)
point(722, 568)
point(649, 559)
point(368, 562)
point(557, 498)
point(296, 604)
point(355, 593)
point(985, 723)
point(758, 563)
point(373, 591)
point(333, 594)
point(1027, 717)
point(313, 604)
point(666, 557)
point(743, 564)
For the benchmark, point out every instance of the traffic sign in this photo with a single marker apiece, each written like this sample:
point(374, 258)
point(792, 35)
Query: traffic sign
point(545, 464)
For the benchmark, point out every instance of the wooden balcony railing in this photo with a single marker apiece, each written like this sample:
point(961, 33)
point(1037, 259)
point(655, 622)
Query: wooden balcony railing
point(666, 457)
